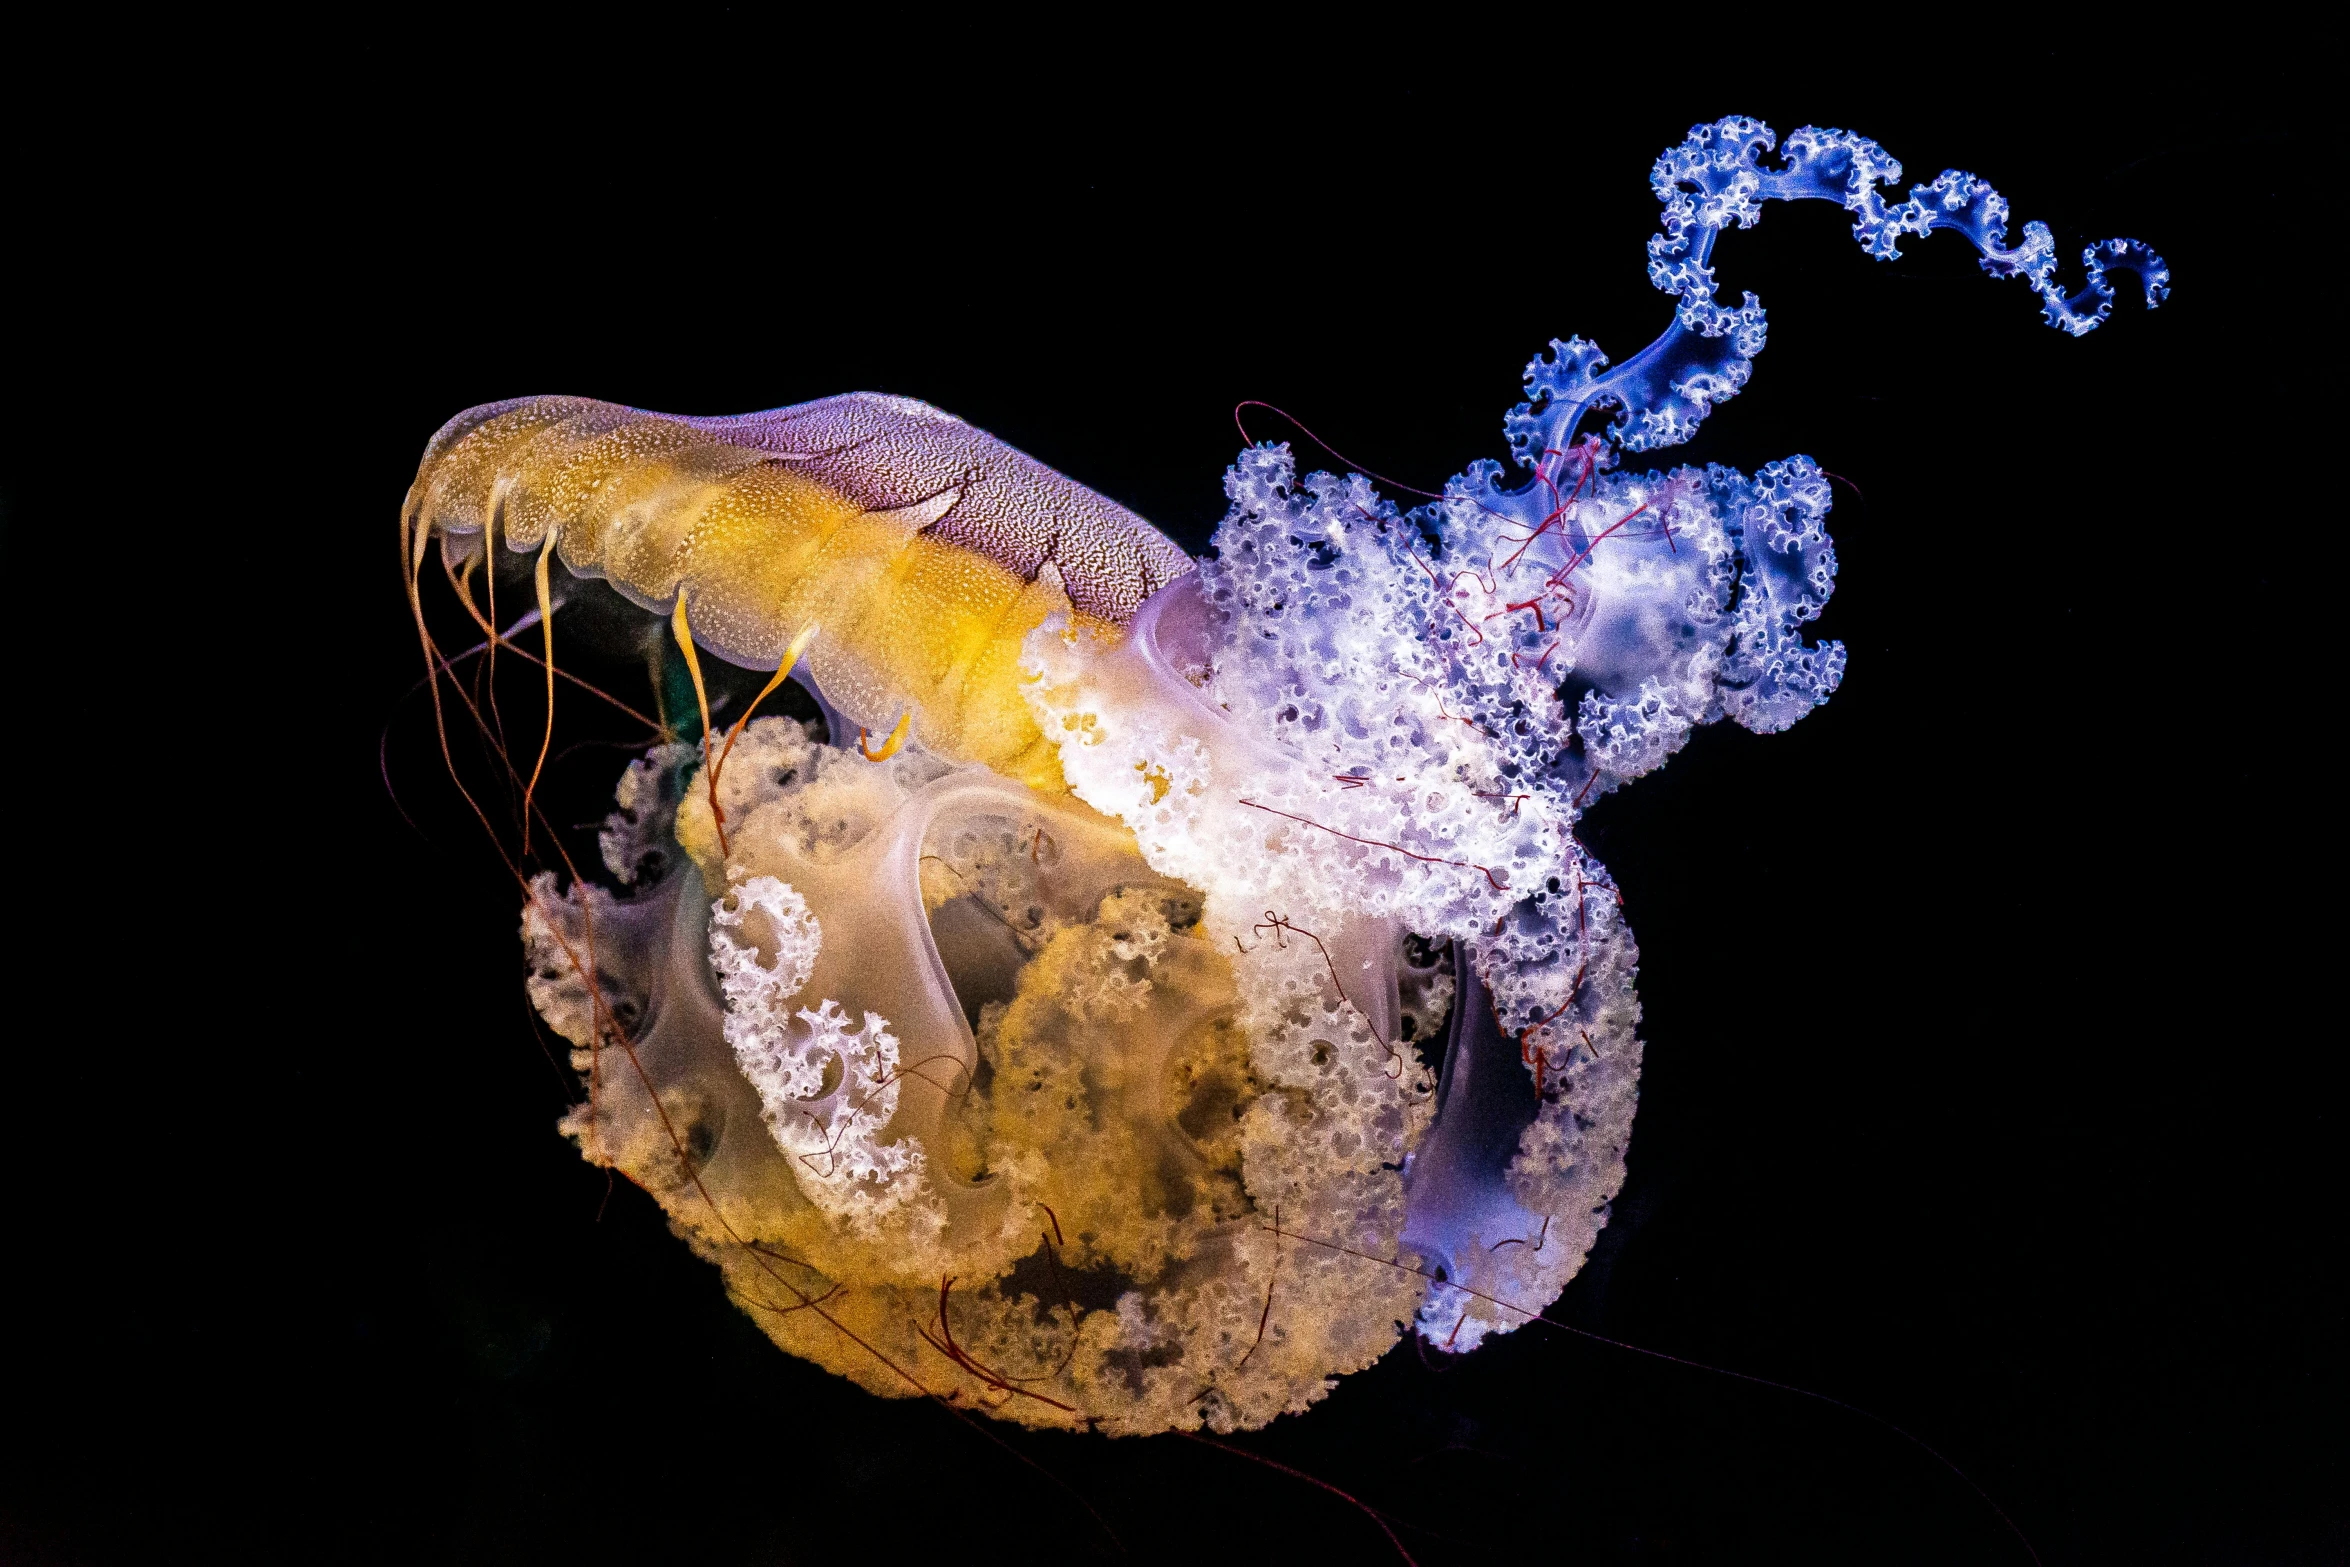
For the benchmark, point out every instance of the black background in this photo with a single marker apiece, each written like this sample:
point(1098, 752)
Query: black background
point(1978, 1092)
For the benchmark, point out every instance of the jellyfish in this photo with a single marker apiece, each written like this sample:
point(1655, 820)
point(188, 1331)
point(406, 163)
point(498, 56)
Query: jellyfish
point(1148, 987)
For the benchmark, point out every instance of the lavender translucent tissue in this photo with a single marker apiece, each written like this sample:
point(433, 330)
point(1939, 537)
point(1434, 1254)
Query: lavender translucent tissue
point(1517, 649)
point(1106, 1111)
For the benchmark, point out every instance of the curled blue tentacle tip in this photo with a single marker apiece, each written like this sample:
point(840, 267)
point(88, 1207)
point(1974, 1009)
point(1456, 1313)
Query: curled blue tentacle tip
point(1552, 633)
point(1720, 176)
point(2085, 310)
point(1561, 373)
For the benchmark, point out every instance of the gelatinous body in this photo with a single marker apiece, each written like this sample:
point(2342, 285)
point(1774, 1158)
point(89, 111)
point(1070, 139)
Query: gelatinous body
point(1067, 1059)
point(923, 549)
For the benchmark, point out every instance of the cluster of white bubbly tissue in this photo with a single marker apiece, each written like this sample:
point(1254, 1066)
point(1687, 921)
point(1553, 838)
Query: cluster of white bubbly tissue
point(1308, 1021)
point(1127, 1111)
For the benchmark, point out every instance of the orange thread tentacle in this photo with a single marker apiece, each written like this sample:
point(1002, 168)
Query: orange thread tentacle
point(546, 630)
point(693, 667)
point(1500, 883)
point(791, 656)
point(1352, 1500)
point(415, 540)
point(505, 639)
point(889, 748)
point(1272, 1276)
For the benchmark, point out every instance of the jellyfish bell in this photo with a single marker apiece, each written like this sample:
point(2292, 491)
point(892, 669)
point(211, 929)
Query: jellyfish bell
point(1048, 1034)
point(916, 1046)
